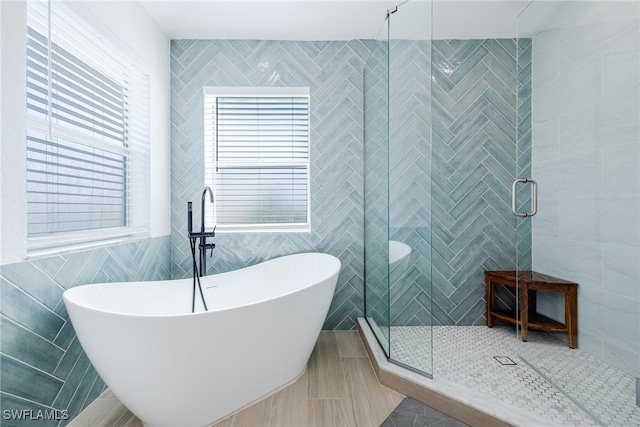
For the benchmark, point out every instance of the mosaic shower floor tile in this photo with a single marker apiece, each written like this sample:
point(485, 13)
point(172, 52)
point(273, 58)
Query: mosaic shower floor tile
point(479, 358)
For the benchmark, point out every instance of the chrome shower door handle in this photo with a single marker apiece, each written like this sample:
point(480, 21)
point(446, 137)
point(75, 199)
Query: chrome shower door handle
point(534, 197)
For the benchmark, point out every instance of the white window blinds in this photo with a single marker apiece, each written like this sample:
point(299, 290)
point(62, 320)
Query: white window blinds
point(257, 158)
point(88, 129)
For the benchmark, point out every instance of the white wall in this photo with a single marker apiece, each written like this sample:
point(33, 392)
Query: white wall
point(586, 159)
point(13, 202)
point(131, 25)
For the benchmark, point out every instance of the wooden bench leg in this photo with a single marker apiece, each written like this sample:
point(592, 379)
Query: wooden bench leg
point(571, 316)
point(489, 297)
point(524, 311)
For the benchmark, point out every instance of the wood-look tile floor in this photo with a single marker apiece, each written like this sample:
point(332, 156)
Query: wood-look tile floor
point(338, 389)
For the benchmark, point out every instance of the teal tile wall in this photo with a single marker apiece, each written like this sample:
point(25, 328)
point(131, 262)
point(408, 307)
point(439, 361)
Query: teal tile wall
point(42, 363)
point(524, 226)
point(333, 72)
point(410, 170)
point(476, 148)
point(449, 199)
point(397, 181)
point(473, 163)
point(376, 182)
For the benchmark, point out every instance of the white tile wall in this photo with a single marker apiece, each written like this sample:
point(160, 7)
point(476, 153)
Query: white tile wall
point(620, 169)
point(577, 261)
point(621, 270)
point(548, 145)
point(586, 159)
point(548, 218)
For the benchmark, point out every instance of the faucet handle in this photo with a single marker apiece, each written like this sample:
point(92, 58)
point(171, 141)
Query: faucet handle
point(206, 246)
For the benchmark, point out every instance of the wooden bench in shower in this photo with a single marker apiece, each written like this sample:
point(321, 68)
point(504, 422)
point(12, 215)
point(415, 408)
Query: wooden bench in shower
point(528, 283)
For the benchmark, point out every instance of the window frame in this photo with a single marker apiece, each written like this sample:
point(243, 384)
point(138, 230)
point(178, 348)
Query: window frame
point(210, 160)
point(137, 128)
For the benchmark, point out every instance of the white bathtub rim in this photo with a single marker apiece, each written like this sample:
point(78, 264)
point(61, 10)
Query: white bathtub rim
point(68, 294)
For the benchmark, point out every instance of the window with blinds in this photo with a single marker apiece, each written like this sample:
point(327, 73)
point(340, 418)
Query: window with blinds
point(257, 158)
point(87, 132)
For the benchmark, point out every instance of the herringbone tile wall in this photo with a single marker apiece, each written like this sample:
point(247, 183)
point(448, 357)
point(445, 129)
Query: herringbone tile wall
point(410, 173)
point(475, 149)
point(524, 226)
point(397, 181)
point(43, 366)
point(333, 71)
point(376, 182)
point(466, 188)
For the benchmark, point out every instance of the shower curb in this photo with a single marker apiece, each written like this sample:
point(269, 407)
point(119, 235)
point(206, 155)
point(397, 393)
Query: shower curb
point(442, 395)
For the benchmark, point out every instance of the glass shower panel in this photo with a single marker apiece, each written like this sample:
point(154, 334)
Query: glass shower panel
point(376, 185)
point(585, 156)
point(409, 223)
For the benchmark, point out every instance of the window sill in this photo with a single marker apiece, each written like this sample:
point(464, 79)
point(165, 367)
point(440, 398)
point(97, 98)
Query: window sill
point(221, 229)
point(42, 247)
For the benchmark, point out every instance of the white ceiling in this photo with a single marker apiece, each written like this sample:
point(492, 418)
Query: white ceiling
point(333, 20)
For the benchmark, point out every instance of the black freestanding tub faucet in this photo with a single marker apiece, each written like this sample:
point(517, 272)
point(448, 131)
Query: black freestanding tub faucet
point(201, 236)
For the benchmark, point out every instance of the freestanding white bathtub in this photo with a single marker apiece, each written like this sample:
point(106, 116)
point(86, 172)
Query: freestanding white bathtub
point(175, 368)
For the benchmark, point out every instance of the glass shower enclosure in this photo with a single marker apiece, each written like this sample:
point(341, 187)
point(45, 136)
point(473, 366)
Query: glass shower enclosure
point(449, 125)
point(397, 155)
